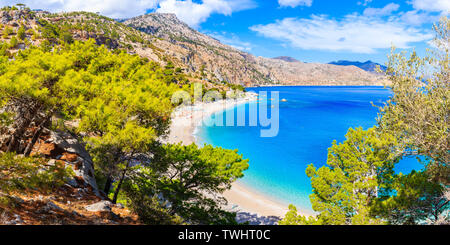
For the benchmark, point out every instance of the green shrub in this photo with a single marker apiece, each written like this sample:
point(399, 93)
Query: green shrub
point(24, 173)
point(7, 31)
point(13, 42)
point(21, 33)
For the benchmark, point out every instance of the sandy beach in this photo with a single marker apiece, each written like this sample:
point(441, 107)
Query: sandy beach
point(186, 119)
point(243, 199)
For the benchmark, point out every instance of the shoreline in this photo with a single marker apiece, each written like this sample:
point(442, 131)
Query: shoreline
point(185, 122)
point(186, 119)
point(242, 198)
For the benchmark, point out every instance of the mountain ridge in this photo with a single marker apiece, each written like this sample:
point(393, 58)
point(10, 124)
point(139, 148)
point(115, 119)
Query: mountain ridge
point(369, 65)
point(197, 50)
point(167, 40)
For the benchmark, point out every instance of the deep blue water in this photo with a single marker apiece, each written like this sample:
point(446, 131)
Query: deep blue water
point(310, 119)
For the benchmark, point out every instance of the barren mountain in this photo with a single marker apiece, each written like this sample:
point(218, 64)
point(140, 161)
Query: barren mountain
point(300, 73)
point(216, 61)
point(197, 52)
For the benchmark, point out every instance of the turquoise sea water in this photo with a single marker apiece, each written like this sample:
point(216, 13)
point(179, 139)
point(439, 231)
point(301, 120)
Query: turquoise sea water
point(310, 119)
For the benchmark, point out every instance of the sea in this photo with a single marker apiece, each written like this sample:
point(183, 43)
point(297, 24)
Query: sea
point(310, 118)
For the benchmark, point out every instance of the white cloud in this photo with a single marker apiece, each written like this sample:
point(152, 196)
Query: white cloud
point(294, 3)
point(386, 10)
point(188, 11)
point(431, 5)
point(415, 17)
point(353, 33)
point(195, 13)
point(110, 8)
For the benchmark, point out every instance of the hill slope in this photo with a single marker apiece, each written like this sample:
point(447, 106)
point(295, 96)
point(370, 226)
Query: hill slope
point(51, 29)
point(198, 51)
point(165, 39)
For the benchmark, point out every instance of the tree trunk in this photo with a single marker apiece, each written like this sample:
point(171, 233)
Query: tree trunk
point(36, 136)
point(107, 184)
point(12, 142)
point(109, 178)
point(117, 190)
point(32, 142)
point(17, 135)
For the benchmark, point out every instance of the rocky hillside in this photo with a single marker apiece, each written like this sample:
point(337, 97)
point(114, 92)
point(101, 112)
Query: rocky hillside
point(165, 39)
point(198, 51)
point(77, 201)
point(64, 206)
point(41, 28)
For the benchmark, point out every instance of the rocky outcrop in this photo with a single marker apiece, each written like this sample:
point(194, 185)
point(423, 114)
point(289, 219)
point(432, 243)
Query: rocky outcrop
point(59, 148)
point(79, 201)
point(5, 17)
point(14, 15)
point(102, 206)
point(65, 148)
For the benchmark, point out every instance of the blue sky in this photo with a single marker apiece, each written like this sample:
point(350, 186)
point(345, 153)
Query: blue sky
point(308, 33)
point(308, 30)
